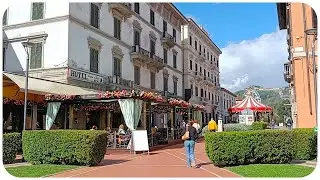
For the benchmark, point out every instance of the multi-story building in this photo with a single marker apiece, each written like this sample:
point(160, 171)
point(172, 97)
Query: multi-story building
point(228, 99)
point(201, 68)
point(300, 21)
point(98, 46)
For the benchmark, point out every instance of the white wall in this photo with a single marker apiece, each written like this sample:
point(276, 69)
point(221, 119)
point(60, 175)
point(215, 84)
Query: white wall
point(55, 50)
point(21, 13)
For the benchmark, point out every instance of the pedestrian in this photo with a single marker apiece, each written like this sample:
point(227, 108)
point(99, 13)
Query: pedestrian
point(212, 125)
point(94, 127)
point(190, 136)
point(273, 123)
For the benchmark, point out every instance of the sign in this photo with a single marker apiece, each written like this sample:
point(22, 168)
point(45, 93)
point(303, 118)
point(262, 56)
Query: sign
point(85, 76)
point(315, 129)
point(250, 119)
point(242, 119)
point(140, 140)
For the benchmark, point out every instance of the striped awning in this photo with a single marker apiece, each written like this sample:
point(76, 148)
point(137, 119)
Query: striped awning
point(250, 103)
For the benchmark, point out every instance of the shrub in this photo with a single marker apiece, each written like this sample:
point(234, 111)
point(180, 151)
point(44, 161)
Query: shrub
point(204, 130)
point(305, 142)
point(249, 147)
point(236, 127)
point(11, 146)
point(259, 125)
point(74, 147)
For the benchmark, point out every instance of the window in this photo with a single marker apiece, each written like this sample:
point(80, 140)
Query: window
point(153, 80)
point(215, 80)
point(151, 17)
point(174, 60)
point(136, 38)
point(152, 48)
point(174, 35)
point(196, 89)
point(217, 63)
point(200, 48)
point(117, 67)
point(190, 40)
point(175, 86)
point(212, 96)
point(116, 28)
point(208, 75)
point(137, 8)
point(200, 69)
point(165, 84)
point(164, 27)
point(208, 55)
point(196, 45)
point(37, 11)
point(211, 58)
point(209, 95)
point(95, 15)
point(191, 87)
point(204, 50)
point(196, 67)
point(94, 60)
point(314, 19)
point(5, 18)
point(36, 56)
point(204, 72)
point(205, 93)
point(137, 75)
point(201, 92)
point(165, 55)
point(190, 65)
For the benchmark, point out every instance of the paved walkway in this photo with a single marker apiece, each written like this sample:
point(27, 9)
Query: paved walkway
point(168, 162)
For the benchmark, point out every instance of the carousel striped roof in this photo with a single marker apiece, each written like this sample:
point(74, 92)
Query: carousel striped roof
point(249, 103)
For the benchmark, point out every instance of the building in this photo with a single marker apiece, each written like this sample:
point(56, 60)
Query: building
point(201, 68)
point(98, 46)
point(228, 99)
point(300, 22)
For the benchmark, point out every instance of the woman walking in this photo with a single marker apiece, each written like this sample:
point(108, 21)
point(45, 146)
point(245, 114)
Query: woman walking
point(190, 136)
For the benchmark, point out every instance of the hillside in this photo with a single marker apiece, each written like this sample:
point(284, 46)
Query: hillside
point(277, 98)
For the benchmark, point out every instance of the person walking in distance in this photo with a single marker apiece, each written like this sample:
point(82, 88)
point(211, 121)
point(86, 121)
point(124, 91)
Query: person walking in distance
point(212, 125)
point(289, 123)
point(190, 136)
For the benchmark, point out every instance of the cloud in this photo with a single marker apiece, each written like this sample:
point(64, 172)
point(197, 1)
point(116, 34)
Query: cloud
point(195, 19)
point(254, 62)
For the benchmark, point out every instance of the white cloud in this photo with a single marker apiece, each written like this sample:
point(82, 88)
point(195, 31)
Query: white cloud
point(254, 62)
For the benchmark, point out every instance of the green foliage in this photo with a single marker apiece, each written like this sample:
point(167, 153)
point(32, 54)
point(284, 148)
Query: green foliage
point(204, 130)
point(11, 146)
point(249, 147)
point(73, 147)
point(236, 127)
point(305, 141)
point(259, 125)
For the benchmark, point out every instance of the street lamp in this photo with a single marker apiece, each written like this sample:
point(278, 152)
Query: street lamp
point(27, 45)
point(314, 32)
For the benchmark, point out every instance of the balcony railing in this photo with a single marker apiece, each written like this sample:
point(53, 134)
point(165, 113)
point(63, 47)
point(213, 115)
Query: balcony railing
point(287, 73)
point(167, 40)
point(146, 57)
point(119, 81)
point(123, 9)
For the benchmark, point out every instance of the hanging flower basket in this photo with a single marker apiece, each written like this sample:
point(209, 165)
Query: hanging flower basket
point(179, 103)
point(198, 106)
point(52, 97)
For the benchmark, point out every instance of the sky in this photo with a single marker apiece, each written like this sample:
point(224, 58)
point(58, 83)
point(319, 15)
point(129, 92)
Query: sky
point(253, 48)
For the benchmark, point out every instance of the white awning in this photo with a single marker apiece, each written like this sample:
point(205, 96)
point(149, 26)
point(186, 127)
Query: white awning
point(42, 86)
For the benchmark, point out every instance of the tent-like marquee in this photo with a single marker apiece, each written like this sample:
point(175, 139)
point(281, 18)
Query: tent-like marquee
point(250, 103)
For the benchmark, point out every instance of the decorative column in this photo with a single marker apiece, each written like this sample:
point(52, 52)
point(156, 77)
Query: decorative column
point(34, 116)
point(103, 117)
point(108, 118)
point(71, 117)
point(144, 115)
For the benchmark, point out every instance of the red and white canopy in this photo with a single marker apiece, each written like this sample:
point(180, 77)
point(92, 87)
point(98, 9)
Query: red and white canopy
point(249, 103)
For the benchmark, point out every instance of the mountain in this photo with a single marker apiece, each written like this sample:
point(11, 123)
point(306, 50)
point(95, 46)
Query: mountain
point(277, 98)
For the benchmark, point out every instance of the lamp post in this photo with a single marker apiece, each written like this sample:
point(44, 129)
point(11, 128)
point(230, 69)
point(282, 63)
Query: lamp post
point(313, 32)
point(26, 46)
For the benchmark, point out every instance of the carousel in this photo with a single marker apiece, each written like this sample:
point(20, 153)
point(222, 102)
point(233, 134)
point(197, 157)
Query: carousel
point(250, 109)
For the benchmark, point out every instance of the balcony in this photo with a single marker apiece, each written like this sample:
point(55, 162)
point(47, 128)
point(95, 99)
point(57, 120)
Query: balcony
point(287, 72)
point(203, 100)
point(201, 57)
point(167, 40)
point(122, 9)
point(216, 103)
point(207, 81)
point(144, 57)
point(116, 80)
point(198, 75)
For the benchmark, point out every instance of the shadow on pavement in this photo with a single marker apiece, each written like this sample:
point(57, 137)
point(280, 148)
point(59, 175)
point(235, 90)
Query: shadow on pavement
point(107, 162)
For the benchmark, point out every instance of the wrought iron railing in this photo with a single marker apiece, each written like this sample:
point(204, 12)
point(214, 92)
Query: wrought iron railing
point(140, 50)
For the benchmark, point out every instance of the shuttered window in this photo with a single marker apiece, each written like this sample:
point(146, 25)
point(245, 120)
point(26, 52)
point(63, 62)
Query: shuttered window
point(137, 75)
point(117, 28)
point(165, 55)
point(95, 15)
point(165, 84)
point(151, 17)
point(174, 61)
point(137, 8)
point(37, 11)
point(136, 38)
point(153, 80)
point(94, 60)
point(175, 87)
point(36, 56)
point(117, 67)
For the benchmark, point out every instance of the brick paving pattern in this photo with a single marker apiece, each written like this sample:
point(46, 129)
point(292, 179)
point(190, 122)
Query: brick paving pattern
point(167, 162)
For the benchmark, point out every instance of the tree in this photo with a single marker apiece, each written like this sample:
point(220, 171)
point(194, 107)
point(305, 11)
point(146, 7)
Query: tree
point(282, 109)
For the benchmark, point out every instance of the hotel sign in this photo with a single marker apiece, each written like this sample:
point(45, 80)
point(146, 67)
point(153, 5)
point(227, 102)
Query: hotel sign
point(85, 76)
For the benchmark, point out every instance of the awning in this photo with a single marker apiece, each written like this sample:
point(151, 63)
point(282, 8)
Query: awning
point(42, 86)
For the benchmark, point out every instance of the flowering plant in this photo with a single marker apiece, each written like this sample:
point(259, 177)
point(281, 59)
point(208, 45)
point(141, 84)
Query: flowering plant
point(179, 103)
point(198, 106)
point(63, 97)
